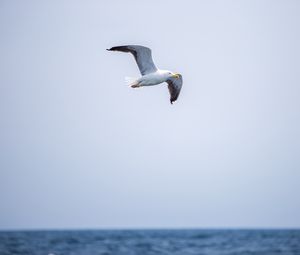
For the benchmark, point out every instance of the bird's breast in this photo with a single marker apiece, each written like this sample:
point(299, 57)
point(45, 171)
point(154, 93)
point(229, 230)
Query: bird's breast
point(152, 79)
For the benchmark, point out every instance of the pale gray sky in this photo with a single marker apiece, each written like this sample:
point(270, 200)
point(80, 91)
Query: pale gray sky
point(79, 149)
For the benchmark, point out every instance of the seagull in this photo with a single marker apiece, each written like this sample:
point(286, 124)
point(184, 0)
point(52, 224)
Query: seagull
point(151, 75)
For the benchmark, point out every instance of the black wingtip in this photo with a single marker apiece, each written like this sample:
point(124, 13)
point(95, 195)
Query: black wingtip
point(108, 49)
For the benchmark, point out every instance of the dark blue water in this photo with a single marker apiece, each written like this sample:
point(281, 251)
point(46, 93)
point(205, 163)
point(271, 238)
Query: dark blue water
point(146, 242)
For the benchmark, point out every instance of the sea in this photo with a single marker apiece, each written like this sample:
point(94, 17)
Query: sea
point(151, 242)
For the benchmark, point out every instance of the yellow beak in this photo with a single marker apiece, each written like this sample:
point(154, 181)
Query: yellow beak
point(175, 76)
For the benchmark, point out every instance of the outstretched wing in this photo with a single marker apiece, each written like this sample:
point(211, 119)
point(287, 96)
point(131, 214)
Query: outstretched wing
point(142, 55)
point(174, 86)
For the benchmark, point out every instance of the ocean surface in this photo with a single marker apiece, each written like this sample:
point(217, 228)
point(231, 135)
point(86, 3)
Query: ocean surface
point(146, 242)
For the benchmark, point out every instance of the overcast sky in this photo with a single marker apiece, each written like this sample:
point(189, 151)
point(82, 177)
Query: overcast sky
point(79, 149)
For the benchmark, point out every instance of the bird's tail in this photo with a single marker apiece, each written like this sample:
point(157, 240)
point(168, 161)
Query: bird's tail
point(132, 82)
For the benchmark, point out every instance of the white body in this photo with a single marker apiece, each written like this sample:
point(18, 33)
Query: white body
point(154, 78)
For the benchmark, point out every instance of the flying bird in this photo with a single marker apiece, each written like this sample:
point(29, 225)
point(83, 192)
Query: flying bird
point(151, 75)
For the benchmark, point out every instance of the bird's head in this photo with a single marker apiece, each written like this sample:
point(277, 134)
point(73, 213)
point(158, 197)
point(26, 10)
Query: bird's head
point(173, 75)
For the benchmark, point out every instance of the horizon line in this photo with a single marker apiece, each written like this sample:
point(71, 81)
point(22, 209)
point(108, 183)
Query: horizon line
point(142, 229)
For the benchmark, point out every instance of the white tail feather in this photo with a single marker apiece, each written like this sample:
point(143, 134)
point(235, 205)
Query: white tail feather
point(131, 81)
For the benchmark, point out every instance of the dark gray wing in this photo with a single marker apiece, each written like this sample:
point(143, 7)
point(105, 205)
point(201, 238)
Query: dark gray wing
point(174, 86)
point(142, 55)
